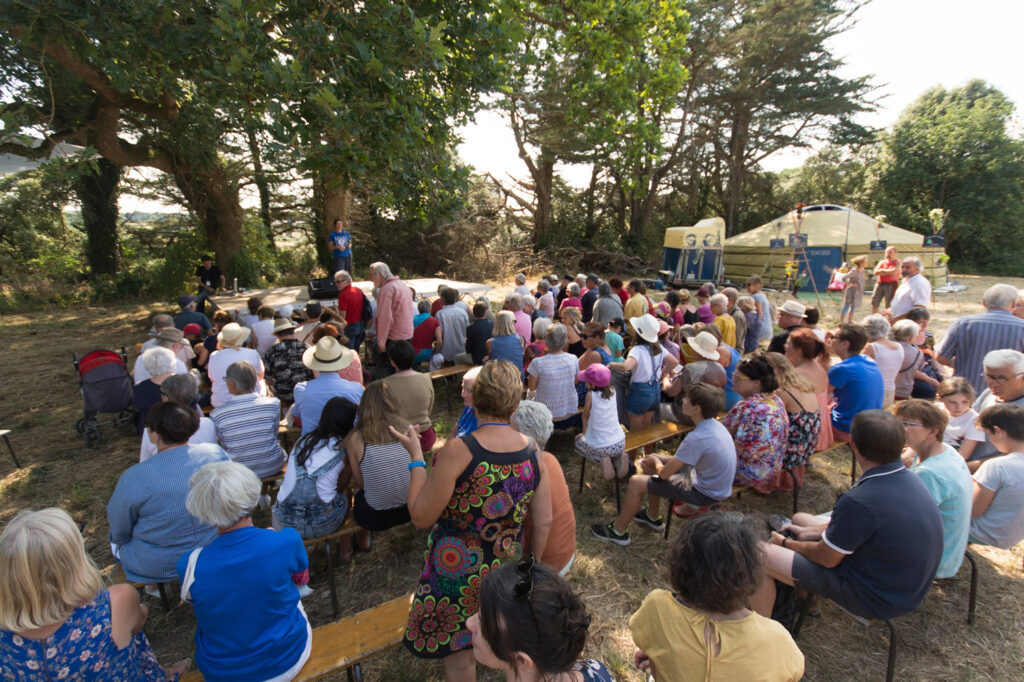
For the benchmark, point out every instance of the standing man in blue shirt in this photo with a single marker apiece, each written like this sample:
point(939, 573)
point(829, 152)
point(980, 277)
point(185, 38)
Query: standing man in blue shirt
point(855, 382)
point(339, 243)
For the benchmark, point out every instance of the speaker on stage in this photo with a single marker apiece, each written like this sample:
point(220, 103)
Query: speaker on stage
point(322, 289)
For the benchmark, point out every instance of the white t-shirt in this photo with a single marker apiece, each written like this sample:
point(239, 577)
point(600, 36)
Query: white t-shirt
point(913, 292)
point(524, 291)
point(642, 371)
point(218, 365)
point(1002, 524)
point(327, 484)
point(206, 433)
point(263, 332)
point(140, 374)
point(603, 423)
point(961, 428)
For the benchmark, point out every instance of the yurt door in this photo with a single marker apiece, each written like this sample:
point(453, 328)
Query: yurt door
point(822, 261)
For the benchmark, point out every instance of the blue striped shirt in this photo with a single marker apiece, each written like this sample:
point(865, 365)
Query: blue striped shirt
point(147, 516)
point(970, 338)
point(247, 429)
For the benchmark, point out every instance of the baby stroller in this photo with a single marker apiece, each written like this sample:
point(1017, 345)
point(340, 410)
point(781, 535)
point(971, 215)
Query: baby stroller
point(106, 387)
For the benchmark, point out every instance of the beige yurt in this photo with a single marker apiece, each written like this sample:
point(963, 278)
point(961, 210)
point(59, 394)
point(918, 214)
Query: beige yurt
point(834, 234)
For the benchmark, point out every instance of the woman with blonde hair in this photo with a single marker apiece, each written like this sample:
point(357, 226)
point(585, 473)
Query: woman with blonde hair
point(57, 619)
point(573, 321)
point(506, 344)
point(801, 403)
point(379, 463)
point(475, 498)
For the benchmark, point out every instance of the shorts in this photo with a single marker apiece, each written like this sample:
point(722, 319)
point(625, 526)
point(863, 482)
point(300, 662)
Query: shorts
point(643, 398)
point(596, 454)
point(883, 290)
point(377, 519)
point(314, 520)
point(827, 583)
point(675, 488)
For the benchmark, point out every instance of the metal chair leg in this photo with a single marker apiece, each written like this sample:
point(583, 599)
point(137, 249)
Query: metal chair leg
point(583, 468)
point(668, 517)
point(805, 606)
point(330, 579)
point(163, 597)
point(890, 671)
point(973, 598)
point(17, 464)
point(355, 673)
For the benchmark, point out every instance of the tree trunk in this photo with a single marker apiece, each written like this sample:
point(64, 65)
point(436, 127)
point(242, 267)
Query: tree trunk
point(330, 202)
point(97, 191)
point(262, 184)
point(737, 148)
point(213, 197)
point(542, 182)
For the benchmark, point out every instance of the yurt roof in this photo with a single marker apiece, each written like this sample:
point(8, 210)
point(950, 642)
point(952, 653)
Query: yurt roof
point(826, 225)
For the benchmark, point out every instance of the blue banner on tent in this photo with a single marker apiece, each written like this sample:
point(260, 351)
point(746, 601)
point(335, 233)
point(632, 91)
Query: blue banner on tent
point(777, 244)
point(934, 241)
point(878, 245)
point(797, 241)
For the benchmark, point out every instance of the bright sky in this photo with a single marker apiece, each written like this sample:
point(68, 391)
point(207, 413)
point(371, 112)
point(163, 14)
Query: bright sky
point(908, 45)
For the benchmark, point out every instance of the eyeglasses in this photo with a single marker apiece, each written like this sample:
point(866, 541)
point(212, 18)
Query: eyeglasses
point(586, 336)
point(523, 589)
point(1000, 379)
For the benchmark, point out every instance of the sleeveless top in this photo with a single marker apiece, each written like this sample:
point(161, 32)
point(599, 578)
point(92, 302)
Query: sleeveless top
point(509, 348)
point(603, 424)
point(385, 469)
point(888, 362)
point(803, 435)
point(479, 530)
point(80, 649)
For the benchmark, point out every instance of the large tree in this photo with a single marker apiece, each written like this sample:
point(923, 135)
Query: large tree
point(951, 150)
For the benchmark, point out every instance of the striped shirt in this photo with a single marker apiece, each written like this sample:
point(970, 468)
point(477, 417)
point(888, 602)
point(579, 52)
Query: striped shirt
point(556, 383)
point(147, 516)
point(385, 470)
point(247, 429)
point(971, 337)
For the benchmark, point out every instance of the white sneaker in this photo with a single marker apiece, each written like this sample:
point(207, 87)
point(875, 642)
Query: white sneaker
point(305, 591)
point(264, 502)
point(153, 590)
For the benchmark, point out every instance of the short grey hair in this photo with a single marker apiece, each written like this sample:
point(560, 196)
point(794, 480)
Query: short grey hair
point(1000, 296)
point(472, 374)
point(381, 269)
point(162, 321)
point(540, 325)
point(533, 420)
point(423, 306)
point(915, 261)
point(543, 286)
point(180, 388)
point(604, 290)
point(159, 361)
point(243, 375)
point(574, 290)
point(719, 299)
point(520, 278)
point(1005, 357)
point(905, 330)
point(877, 327)
point(222, 493)
point(556, 336)
point(344, 274)
point(515, 301)
point(731, 293)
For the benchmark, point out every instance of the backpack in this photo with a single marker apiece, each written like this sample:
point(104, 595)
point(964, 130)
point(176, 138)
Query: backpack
point(367, 309)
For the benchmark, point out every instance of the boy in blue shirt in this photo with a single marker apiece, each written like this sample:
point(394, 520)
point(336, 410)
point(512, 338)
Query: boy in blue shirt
point(855, 382)
point(339, 243)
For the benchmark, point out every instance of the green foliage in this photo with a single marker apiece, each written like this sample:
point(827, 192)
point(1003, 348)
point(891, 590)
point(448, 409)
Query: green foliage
point(951, 150)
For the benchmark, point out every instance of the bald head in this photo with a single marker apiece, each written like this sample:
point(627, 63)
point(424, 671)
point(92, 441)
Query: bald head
point(162, 321)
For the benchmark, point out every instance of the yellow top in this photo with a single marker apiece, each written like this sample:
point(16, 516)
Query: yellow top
point(674, 637)
point(727, 326)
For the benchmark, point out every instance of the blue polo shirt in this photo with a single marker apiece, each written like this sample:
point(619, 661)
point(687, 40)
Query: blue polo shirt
point(858, 387)
point(889, 529)
point(311, 396)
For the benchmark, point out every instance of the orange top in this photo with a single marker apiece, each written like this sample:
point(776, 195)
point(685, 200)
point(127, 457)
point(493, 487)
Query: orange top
point(562, 536)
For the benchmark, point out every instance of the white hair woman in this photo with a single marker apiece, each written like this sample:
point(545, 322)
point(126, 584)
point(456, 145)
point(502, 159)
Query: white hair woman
point(903, 333)
point(888, 354)
point(539, 346)
point(506, 344)
point(553, 377)
point(467, 420)
point(57, 618)
point(250, 623)
point(533, 420)
point(160, 363)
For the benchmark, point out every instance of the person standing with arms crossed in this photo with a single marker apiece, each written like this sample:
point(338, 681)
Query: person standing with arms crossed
point(887, 276)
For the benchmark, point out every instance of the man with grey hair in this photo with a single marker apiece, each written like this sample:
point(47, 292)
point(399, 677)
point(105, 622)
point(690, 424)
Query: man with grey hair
point(719, 304)
point(247, 423)
point(970, 338)
point(732, 295)
point(350, 309)
point(1004, 379)
point(394, 311)
point(189, 314)
point(915, 291)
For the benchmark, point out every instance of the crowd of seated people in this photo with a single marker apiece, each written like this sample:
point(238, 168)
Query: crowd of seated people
point(935, 475)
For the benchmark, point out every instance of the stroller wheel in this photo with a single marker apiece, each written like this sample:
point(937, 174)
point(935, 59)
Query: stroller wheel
point(125, 417)
point(80, 425)
point(92, 434)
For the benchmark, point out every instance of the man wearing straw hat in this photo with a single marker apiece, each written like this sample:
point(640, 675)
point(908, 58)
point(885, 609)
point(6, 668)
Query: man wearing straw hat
point(791, 316)
point(327, 358)
point(283, 361)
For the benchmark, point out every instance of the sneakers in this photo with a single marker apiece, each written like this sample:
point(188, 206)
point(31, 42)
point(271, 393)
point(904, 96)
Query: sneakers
point(643, 518)
point(687, 511)
point(609, 534)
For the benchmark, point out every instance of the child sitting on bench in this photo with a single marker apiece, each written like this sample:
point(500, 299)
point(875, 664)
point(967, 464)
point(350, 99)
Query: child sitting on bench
point(602, 438)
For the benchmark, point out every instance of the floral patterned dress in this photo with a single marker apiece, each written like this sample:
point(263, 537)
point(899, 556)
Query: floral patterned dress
point(80, 649)
point(480, 529)
point(760, 426)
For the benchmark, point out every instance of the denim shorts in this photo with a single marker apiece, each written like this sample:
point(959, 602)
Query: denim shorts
point(312, 521)
point(643, 398)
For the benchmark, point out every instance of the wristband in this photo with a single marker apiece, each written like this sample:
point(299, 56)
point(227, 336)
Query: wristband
point(784, 542)
point(417, 463)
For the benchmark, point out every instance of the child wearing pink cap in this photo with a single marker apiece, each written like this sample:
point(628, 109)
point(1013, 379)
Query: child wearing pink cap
point(602, 437)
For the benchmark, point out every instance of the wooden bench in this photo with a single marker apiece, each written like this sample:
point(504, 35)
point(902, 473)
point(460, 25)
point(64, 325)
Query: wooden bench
point(285, 435)
point(116, 575)
point(349, 527)
point(344, 644)
point(445, 374)
point(648, 435)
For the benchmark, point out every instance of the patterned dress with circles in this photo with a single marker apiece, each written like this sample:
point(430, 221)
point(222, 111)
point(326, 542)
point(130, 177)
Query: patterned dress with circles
point(479, 530)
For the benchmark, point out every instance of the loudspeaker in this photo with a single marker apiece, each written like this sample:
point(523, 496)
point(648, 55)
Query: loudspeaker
point(322, 289)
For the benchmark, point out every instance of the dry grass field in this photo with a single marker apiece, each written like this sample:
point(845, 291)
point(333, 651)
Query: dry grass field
point(40, 403)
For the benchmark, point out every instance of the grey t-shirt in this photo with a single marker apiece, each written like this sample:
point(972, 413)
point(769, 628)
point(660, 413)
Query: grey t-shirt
point(1002, 524)
point(986, 399)
point(454, 320)
point(710, 450)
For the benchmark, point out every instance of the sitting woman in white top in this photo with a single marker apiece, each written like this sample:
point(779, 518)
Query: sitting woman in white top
point(379, 463)
point(888, 354)
point(998, 510)
point(243, 586)
point(182, 389)
point(230, 342)
point(602, 437)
